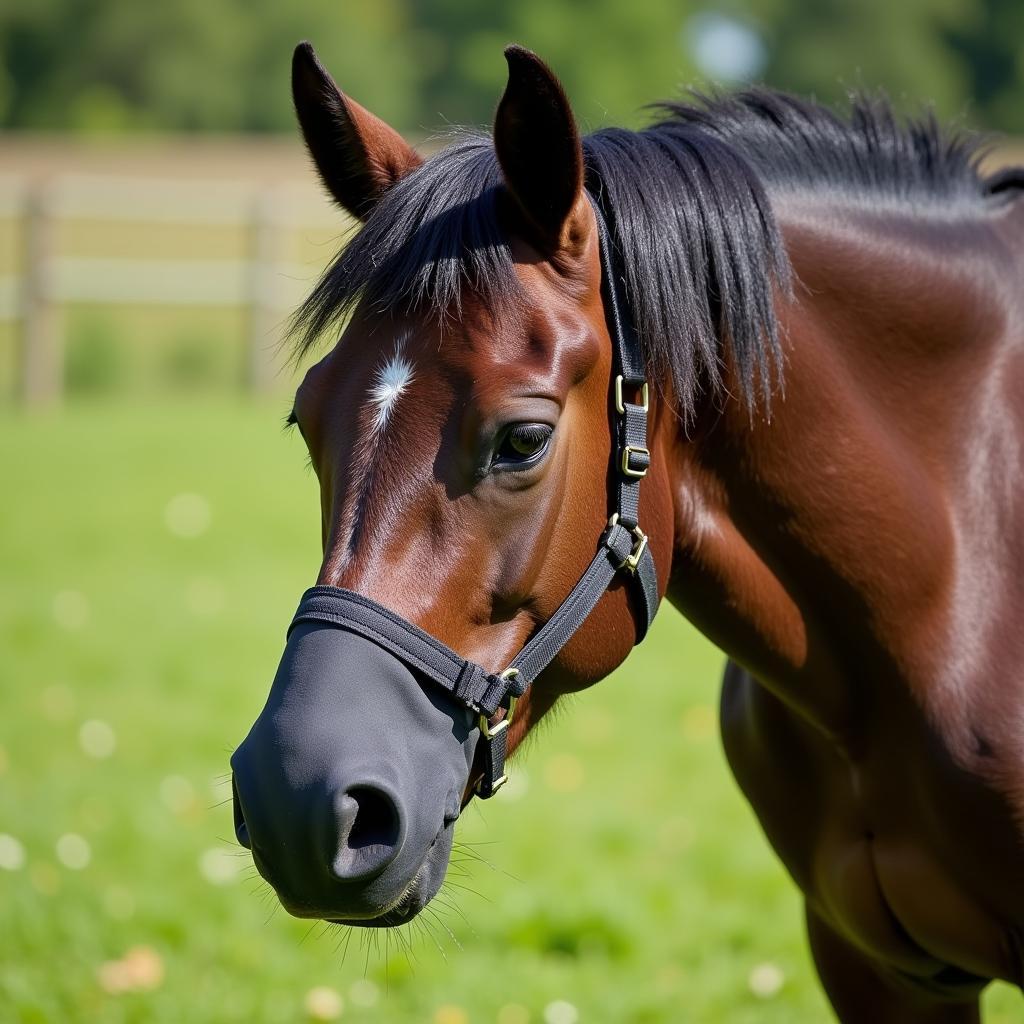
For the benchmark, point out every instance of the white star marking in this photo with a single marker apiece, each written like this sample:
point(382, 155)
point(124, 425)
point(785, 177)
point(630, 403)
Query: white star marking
point(389, 384)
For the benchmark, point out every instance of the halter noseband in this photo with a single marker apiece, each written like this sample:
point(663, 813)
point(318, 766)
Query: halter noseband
point(622, 548)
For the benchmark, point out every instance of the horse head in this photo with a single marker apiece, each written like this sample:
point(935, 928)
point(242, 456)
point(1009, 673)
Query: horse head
point(461, 432)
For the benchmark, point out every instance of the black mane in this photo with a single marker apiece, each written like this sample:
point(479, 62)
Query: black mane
point(687, 201)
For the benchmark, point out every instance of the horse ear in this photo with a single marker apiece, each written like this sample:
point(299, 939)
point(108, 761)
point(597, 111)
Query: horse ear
point(539, 149)
point(357, 155)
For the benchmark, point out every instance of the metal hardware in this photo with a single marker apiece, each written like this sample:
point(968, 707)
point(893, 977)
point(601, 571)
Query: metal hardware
point(499, 727)
point(631, 563)
point(629, 450)
point(489, 731)
point(632, 560)
point(620, 406)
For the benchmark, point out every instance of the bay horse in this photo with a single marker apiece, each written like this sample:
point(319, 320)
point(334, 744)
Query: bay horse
point(830, 315)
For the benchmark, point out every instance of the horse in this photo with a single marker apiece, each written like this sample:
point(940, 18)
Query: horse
point(828, 424)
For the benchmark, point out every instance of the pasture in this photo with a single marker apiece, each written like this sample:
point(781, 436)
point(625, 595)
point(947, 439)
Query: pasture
point(151, 557)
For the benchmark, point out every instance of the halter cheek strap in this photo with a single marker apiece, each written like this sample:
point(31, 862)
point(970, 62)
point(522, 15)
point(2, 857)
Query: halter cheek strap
point(622, 548)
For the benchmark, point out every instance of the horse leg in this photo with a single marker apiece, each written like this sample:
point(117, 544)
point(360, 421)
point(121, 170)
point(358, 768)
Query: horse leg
point(861, 992)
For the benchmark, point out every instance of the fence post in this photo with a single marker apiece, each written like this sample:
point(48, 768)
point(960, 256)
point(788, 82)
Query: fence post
point(42, 348)
point(265, 314)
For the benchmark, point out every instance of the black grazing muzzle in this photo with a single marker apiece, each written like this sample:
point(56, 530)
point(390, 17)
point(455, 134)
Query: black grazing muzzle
point(348, 785)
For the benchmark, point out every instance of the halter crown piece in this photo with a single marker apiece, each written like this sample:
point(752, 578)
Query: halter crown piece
point(622, 547)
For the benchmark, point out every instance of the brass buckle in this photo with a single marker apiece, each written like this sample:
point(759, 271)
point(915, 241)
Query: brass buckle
point(485, 723)
point(620, 405)
point(632, 560)
point(490, 733)
point(628, 450)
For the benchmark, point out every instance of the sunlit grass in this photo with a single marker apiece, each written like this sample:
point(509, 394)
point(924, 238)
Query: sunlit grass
point(151, 558)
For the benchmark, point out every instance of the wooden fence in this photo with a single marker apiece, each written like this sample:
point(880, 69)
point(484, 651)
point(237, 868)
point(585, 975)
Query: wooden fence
point(278, 205)
point(44, 279)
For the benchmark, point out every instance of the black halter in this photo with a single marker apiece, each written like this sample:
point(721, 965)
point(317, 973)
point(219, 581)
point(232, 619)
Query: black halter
point(621, 548)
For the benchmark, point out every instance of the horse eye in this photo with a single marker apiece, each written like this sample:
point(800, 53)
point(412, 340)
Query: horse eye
point(523, 444)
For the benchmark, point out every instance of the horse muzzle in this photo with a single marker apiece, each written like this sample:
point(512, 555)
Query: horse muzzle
point(348, 785)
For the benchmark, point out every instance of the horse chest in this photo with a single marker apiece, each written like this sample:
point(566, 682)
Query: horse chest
point(896, 899)
point(861, 842)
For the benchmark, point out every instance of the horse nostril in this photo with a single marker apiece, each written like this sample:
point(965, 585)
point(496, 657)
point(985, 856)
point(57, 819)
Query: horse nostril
point(369, 833)
point(241, 830)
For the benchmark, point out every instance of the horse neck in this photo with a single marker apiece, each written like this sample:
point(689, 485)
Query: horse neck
point(816, 546)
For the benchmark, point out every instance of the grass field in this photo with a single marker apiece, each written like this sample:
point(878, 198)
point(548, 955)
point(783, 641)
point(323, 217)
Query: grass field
point(150, 558)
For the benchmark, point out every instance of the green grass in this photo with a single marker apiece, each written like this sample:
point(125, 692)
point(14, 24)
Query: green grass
point(643, 890)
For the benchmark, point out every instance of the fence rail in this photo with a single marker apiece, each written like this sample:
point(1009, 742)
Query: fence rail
point(259, 278)
point(262, 280)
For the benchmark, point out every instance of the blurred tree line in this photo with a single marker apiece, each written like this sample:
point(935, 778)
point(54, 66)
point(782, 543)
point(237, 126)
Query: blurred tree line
point(222, 65)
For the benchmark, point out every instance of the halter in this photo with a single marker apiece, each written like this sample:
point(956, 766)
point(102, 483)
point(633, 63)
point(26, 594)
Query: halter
point(622, 547)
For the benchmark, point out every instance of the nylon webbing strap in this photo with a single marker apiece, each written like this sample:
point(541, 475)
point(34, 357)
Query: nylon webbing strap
point(632, 455)
point(492, 777)
point(622, 548)
point(475, 687)
point(482, 691)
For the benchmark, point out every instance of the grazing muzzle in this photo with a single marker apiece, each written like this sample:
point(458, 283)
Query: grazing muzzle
point(349, 783)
